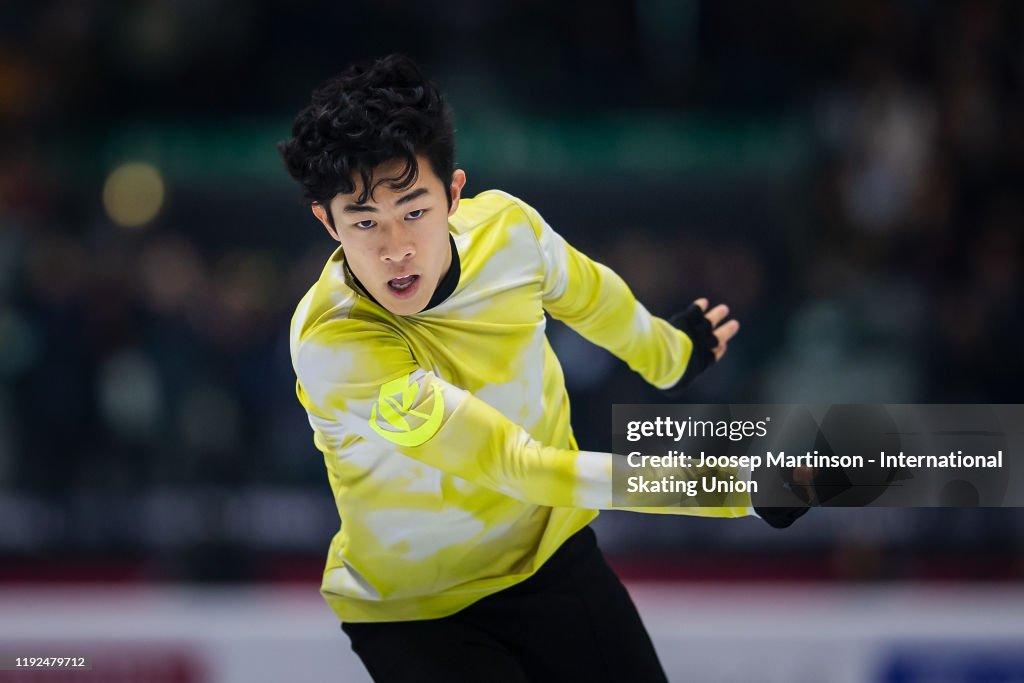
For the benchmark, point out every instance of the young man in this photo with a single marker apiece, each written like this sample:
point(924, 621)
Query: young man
point(464, 552)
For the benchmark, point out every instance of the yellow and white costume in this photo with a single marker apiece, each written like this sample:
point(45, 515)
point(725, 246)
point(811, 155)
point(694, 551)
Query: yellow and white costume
point(446, 434)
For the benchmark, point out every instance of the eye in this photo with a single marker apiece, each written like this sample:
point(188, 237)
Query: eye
point(413, 215)
point(365, 225)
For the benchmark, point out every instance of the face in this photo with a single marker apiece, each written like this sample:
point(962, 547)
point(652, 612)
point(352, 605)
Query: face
point(396, 242)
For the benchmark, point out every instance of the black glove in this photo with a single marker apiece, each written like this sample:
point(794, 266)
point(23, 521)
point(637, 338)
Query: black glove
point(771, 484)
point(698, 329)
point(780, 518)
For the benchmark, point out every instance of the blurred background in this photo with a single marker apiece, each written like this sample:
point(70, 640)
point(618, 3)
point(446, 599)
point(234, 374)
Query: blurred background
point(846, 175)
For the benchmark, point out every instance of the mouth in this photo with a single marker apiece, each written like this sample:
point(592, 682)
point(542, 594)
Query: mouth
point(404, 286)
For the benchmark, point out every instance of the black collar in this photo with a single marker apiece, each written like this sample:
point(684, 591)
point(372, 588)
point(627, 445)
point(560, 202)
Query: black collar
point(444, 289)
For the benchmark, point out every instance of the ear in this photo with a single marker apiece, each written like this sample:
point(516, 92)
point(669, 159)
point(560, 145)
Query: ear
point(320, 211)
point(458, 182)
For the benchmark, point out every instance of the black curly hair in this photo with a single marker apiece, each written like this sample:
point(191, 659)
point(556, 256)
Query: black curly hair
point(365, 116)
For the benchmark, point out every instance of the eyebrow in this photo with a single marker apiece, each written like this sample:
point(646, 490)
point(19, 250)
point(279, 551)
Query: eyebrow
point(363, 208)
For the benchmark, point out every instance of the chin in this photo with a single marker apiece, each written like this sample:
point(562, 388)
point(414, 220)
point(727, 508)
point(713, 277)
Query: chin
point(406, 307)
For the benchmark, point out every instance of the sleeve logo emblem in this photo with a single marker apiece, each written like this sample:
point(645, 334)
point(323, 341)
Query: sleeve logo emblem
point(394, 405)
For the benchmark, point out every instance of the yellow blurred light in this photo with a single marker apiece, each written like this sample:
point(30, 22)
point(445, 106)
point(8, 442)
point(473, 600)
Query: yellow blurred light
point(133, 194)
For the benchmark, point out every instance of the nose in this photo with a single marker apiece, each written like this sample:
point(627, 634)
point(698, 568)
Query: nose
point(398, 245)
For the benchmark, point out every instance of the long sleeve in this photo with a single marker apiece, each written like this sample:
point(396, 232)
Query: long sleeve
point(362, 375)
point(597, 303)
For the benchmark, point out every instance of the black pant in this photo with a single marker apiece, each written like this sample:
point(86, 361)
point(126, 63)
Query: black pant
point(571, 621)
